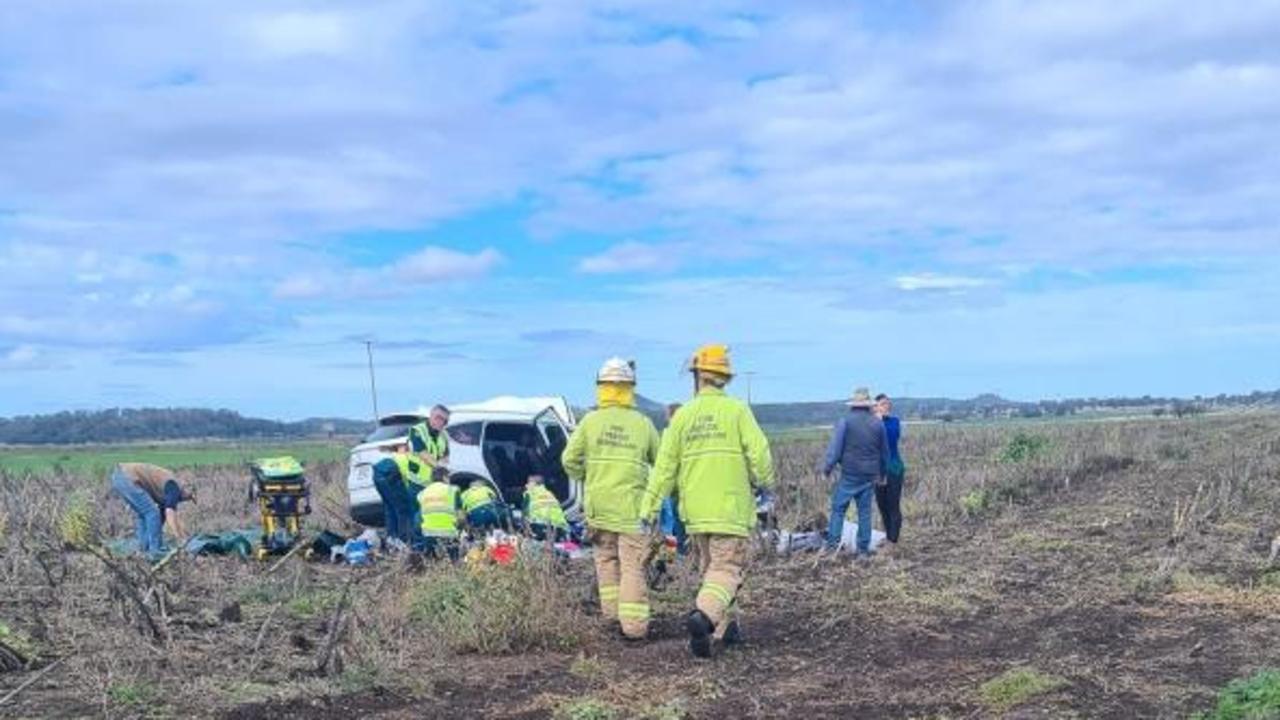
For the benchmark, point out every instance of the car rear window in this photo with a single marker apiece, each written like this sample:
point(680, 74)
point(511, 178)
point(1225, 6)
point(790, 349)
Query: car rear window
point(388, 432)
point(465, 433)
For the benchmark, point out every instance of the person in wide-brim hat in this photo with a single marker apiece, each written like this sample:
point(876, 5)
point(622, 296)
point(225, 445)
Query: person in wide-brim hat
point(859, 446)
point(861, 398)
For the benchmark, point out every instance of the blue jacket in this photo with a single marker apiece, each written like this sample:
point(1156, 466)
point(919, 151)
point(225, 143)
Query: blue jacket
point(893, 430)
point(859, 445)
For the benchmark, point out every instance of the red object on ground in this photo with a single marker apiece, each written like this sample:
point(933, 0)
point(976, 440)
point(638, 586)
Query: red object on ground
point(502, 554)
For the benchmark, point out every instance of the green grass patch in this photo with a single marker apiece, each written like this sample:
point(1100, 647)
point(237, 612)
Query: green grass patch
point(586, 709)
point(99, 459)
point(1253, 698)
point(1015, 687)
point(135, 694)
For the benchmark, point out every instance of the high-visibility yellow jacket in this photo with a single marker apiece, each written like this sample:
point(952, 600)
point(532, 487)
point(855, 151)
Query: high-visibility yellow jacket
point(541, 507)
point(713, 452)
point(439, 504)
point(477, 496)
point(412, 470)
point(422, 442)
point(613, 447)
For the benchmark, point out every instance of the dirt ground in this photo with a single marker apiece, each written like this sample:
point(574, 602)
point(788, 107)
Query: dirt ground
point(1132, 570)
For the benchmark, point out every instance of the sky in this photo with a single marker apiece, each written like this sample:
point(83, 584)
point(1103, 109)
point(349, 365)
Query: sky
point(216, 203)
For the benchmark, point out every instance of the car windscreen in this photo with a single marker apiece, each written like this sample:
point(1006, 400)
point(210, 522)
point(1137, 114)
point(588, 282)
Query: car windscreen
point(388, 432)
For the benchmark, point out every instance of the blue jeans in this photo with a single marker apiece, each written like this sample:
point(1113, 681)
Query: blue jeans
point(855, 488)
point(671, 524)
point(149, 520)
point(486, 517)
point(399, 508)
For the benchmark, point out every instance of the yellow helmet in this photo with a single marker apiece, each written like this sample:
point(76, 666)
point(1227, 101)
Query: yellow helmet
point(712, 358)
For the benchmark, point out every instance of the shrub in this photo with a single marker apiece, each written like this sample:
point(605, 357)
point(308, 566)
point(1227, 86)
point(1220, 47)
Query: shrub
point(1017, 686)
point(975, 502)
point(76, 524)
point(499, 609)
point(1253, 698)
point(1023, 447)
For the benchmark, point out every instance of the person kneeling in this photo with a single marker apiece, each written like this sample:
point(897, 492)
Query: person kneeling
point(441, 506)
point(484, 512)
point(543, 515)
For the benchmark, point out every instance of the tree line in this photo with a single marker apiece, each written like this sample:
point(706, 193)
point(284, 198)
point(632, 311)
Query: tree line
point(135, 424)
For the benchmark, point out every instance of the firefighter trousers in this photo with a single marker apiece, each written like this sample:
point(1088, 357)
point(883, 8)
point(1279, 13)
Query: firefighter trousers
point(723, 561)
point(620, 576)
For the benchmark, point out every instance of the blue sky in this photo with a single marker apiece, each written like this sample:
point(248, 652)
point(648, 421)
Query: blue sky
point(214, 203)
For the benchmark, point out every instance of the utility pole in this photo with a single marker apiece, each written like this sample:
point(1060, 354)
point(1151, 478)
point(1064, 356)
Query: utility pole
point(373, 385)
point(750, 375)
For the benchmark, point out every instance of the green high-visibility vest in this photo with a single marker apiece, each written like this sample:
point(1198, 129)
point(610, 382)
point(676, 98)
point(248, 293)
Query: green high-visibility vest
point(543, 508)
point(434, 447)
point(412, 470)
point(439, 505)
point(478, 496)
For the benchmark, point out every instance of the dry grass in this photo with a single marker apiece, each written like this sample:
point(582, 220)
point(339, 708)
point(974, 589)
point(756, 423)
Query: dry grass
point(1067, 516)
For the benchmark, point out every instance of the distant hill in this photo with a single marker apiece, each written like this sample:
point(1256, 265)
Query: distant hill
point(125, 425)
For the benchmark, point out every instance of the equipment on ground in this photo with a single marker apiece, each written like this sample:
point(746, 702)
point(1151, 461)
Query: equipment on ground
point(283, 497)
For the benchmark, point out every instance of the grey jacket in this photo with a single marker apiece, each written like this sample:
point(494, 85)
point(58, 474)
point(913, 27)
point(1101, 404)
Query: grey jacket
point(859, 445)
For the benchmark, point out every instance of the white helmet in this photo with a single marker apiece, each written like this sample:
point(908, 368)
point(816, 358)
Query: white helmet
point(617, 370)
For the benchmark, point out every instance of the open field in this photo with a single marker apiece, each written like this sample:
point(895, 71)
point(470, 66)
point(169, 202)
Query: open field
point(1090, 570)
point(97, 459)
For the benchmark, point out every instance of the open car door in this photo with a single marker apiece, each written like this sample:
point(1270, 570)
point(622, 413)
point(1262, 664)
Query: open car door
point(554, 434)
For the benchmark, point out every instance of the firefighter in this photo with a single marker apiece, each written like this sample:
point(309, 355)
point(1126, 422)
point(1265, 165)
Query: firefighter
point(712, 453)
point(613, 448)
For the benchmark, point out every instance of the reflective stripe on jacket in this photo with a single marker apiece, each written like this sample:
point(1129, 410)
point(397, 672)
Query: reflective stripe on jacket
point(613, 447)
point(712, 454)
point(439, 504)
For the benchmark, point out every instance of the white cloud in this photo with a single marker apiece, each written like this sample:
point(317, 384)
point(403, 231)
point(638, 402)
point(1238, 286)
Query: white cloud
point(632, 257)
point(934, 282)
point(434, 264)
point(300, 33)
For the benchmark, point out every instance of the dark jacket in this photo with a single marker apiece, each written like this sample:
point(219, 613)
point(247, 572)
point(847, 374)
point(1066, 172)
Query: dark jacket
point(859, 445)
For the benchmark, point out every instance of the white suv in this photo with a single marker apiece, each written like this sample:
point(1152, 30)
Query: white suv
point(501, 441)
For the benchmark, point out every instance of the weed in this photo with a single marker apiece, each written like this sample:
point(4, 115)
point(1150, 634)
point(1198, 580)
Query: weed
point(586, 709)
point(670, 710)
point(499, 609)
point(588, 668)
point(312, 604)
point(1023, 447)
point(1253, 698)
point(135, 694)
point(975, 502)
point(1016, 686)
point(76, 525)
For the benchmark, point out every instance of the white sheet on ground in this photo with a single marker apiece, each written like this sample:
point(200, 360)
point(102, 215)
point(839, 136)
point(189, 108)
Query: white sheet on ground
point(806, 541)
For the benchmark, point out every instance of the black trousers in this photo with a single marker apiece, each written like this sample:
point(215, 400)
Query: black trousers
point(889, 500)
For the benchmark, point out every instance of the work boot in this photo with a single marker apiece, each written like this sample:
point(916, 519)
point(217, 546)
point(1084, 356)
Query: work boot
point(732, 634)
point(700, 629)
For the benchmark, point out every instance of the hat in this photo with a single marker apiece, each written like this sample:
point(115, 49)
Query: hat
point(861, 398)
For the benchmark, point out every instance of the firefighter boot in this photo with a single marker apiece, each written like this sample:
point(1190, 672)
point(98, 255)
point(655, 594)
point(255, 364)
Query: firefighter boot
point(700, 630)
